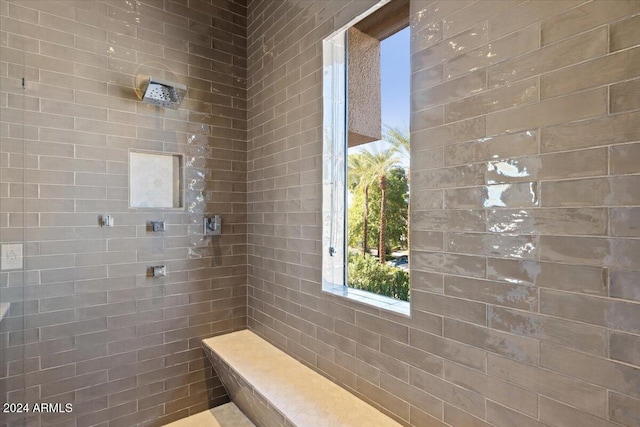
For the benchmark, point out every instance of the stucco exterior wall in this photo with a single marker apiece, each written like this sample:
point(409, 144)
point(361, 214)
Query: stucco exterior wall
point(364, 97)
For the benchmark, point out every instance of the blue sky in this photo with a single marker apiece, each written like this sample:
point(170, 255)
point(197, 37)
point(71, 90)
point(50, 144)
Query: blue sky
point(395, 70)
point(396, 78)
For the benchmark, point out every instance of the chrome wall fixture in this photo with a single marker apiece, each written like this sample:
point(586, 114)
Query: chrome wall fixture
point(158, 226)
point(162, 93)
point(213, 226)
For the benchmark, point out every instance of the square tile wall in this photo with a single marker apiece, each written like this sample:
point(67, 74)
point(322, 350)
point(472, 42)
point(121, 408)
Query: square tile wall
point(525, 251)
point(88, 326)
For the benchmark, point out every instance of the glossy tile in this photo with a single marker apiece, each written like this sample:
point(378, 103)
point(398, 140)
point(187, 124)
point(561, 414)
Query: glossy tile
point(549, 112)
point(519, 195)
point(625, 222)
point(557, 414)
point(476, 12)
point(501, 416)
point(455, 416)
point(615, 191)
point(588, 15)
point(491, 148)
point(606, 252)
point(427, 77)
point(447, 49)
point(413, 356)
point(509, 46)
point(514, 347)
point(456, 176)
point(624, 348)
point(586, 338)
point(81, 58)
point(488, 101)
point(427, 159)
point(498, 391)
point(624, 96)
point(448, 392)
point(427, 118)
point(384, 363)
point(426, 35)
point(450, 134)
point(610, 374)
point(577, 49)
point(624, 410)
point(449, 91)
point(625, 33)
point(624, 158)
point(513, 196)
point(470, 311)
point(597, 72)
point(520, 247)
point(517, 296)
point(512, 190)
point(592, 162)
point(576, 278)
point(454, 220)
point(572, 221)
point(428, 282)
point(584, 396)
point(467, 265)
point(525, 13)
point(624, 284)
point(414, 395)
point(614, 314)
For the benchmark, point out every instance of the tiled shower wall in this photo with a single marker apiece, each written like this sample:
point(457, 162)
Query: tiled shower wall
point(525, 301)
point(97, 331)
point(525, 253)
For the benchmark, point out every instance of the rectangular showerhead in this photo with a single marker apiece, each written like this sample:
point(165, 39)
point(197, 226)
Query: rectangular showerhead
point(163, 93)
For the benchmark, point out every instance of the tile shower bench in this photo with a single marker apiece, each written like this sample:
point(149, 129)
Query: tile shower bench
point(274, 389)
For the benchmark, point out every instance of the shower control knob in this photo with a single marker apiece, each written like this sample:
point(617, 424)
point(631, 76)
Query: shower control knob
point(213, 226)
point(106, 221)
point(157, 226)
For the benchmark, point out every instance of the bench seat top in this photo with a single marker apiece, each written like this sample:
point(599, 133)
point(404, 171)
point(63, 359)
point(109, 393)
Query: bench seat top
point(305, 397)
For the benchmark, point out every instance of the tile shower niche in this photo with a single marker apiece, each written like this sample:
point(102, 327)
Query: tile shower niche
point(155, 180)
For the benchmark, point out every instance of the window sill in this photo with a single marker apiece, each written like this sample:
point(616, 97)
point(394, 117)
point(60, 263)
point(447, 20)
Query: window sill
point(371, 299)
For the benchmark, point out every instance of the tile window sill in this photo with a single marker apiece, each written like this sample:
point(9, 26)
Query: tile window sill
point(369, 298)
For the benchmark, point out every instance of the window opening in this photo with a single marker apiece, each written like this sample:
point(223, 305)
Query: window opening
point(366, 158)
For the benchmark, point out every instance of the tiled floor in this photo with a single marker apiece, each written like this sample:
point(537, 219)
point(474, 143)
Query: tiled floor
point(227, 415)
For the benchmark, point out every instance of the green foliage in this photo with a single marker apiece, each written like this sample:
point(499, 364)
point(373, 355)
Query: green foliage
point(367, 273)
point(397, 204)
point(371, 169)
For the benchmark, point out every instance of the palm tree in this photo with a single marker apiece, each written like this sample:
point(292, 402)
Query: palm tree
point(359, 178)
point(400, 141)
point(378, 164)
point(398, 138)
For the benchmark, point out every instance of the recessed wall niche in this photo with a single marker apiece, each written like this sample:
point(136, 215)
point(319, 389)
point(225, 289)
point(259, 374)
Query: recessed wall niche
point(155, 180)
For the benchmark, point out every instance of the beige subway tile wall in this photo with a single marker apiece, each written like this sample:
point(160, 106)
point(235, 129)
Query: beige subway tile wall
point(87, 324)
point(525, 255)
